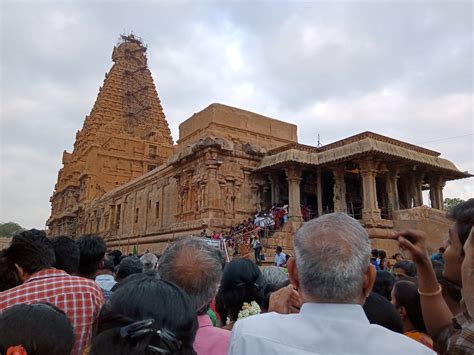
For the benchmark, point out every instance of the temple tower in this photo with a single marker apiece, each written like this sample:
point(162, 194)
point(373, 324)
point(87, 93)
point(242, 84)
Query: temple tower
point(124, 136)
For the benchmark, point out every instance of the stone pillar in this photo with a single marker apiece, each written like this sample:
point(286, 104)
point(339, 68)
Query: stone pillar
point(275, 188)
point(370, 210)
point(392, 190)
point(436, 193)
point(214, 199)
point(294, 205)
point(213, 188)
point(319, 192)
point(339, 199)
point(419, 191)
point(416, 180)
point(246, 196)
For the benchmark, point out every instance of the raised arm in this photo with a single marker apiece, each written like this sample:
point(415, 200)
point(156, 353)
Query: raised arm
point(436, 313)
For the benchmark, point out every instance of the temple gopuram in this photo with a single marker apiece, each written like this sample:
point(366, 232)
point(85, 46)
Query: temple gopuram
point(126, 181)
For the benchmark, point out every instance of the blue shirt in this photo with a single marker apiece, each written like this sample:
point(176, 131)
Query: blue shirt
point(437, 257)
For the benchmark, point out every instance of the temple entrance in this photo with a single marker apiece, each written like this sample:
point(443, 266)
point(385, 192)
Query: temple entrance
point(327, 182)
point(382, 197)
point(403, 196)
point(354, 195)
point(308, 194)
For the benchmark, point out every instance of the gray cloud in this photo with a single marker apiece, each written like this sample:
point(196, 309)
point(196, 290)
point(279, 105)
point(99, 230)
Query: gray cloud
point(402, 69)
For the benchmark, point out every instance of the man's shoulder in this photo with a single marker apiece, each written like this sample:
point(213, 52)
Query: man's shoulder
point(307, 331)
point(81, 282)
point(260, 321)
point(403, 343)
point(44, 290)
point(214, 331)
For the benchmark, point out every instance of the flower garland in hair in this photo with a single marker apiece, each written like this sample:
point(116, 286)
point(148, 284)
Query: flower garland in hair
point(248, 309)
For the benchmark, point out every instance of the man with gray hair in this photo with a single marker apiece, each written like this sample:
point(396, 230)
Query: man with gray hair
point(333, 276)
point(149, 261)
point(196, 267)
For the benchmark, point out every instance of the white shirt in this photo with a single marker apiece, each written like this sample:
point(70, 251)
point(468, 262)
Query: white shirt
point(105, 281)
point(319, 329)
point(280, 259)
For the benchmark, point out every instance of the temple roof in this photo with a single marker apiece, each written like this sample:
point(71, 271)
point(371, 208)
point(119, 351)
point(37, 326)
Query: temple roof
point(232, 123)
point(363, 144)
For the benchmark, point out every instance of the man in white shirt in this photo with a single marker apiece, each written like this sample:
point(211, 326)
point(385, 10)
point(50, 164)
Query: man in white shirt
point(333, 276)
point(105, 275)
point(280, 257)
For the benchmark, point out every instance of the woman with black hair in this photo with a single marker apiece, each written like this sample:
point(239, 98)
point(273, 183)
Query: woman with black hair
point(35, 329)
point(146, 316)
point(240, 293)
point(406, 299)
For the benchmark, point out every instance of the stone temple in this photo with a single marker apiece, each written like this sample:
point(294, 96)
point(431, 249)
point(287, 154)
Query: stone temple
point(128, 182)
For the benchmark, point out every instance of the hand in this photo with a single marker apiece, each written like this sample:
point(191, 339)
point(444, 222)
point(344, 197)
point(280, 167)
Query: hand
point(415, 242)
point(285, 301)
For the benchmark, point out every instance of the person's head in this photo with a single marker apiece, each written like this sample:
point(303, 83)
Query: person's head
point(273, 275)
point(107, 266)
point(241, 282)
point(374, 253)
point(273, 278)
point(30, 251)
point(278, 249)
point(67, 254)
point(115, 255)
point(463, 217)
point(128, 266)
point(406, 299)
point(380, 311)
point(467, 274)
point(145, 314)
point(92, 249)
point(40, 328)
point(383, 283)
point(194, 266)
point(149, 261)
point(8, 275)
point(332, 260)
point(382, 254)
point(404, 268)
point(398, 257)
point(441, 250)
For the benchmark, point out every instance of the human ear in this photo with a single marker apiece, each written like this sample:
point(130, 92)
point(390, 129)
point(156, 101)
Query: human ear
point(22, 274)
point(369, 280)
point(403, 313)
point(293, 272)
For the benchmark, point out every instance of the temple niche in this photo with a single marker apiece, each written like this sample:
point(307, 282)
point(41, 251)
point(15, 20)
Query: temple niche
point(126, 181)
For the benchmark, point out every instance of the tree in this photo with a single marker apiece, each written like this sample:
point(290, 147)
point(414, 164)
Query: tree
point(450, 203)
point(9, 229)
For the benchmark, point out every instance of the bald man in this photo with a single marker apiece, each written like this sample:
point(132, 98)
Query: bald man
point(196, 267)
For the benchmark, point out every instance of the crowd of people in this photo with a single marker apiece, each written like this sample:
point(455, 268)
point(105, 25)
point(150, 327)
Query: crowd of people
point(335, 296)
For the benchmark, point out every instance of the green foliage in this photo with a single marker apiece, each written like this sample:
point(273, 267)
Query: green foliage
point(9, 229)
point(449, 203)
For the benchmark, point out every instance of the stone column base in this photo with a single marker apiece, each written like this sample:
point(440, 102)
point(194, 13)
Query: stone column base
point(372, 215)
point(293, 224)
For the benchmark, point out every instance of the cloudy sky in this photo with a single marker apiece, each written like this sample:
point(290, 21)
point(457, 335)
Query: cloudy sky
point(399, 68)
